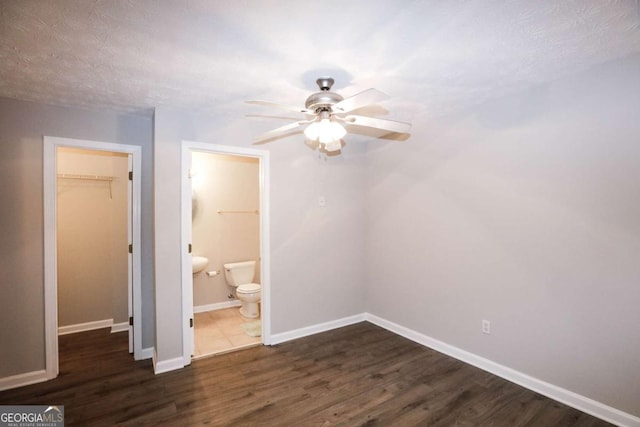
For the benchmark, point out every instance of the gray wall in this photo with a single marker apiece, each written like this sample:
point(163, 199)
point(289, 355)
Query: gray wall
point(524, 212)
point(317, 261)
point(22, 126)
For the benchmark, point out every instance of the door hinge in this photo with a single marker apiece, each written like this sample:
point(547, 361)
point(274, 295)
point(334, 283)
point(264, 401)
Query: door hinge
point(191, 323)
point(189, 247)
point(131, 321)
point(130, 175)
point(130, 248)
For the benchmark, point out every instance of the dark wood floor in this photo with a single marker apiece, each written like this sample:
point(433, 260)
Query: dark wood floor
point(352, 376)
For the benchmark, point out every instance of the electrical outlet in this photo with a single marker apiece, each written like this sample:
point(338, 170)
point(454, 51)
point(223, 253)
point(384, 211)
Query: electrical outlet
point(486, 327)
point(321, 201)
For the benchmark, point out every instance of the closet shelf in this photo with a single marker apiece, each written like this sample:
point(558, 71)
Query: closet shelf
point(240, 212)
point(104, 178)
point(86, 177)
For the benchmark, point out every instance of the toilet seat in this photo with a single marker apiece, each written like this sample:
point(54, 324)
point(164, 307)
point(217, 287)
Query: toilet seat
point(248, 288)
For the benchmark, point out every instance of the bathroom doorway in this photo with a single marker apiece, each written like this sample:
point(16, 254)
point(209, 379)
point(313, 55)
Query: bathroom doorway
point(92, 241)
point(225, 217)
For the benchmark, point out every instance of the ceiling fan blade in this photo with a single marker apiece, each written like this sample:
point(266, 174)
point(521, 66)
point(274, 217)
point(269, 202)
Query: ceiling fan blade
point(359, 100)
point(274, 133)
point(281, 106)
point(374, 122)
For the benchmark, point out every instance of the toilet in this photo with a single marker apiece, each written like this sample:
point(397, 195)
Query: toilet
point(240, 276)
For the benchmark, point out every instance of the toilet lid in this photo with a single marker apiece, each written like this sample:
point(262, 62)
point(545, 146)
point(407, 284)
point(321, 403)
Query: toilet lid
point(248, 288)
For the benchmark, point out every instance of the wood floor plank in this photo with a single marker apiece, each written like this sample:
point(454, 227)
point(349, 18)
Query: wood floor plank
point(356, 375)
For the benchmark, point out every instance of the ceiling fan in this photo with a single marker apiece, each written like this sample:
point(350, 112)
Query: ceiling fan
point(328, 113)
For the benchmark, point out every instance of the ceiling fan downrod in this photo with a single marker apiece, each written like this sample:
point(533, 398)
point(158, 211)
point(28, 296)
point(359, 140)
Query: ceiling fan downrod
point(325, 83)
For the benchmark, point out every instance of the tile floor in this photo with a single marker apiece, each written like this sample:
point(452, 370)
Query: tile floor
point(219, 331)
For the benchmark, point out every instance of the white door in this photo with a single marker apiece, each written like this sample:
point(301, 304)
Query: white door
point(130, 250)
point(187, 261)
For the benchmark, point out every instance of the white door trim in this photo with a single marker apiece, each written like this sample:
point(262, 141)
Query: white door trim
point(265, 257)
point(50, 145)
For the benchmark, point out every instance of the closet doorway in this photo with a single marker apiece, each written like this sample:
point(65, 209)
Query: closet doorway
point(92, 241)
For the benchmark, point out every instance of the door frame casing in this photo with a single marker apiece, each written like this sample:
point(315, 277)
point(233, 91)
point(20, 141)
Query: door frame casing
point(50, 146)
point(265, 258)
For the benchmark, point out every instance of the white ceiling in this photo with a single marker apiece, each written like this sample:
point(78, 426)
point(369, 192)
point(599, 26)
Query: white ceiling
point(432, 57)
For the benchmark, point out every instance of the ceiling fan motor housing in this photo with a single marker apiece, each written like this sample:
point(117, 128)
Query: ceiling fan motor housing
point(325, 99)
point(322, 100)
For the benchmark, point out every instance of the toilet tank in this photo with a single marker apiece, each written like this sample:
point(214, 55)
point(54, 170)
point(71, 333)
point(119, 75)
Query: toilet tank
point(239, 273)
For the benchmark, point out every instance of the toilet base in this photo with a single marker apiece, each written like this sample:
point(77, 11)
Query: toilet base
point(250, 310)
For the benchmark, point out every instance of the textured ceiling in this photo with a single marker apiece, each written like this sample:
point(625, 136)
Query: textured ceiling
point(432, 57)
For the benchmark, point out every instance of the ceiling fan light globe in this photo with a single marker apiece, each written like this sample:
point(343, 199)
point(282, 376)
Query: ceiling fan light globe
point(337, 131)
point(311, 143)
point(325, 126)
point(330, 131)
point(326, 138)
point(334, 145)
point(312, 131)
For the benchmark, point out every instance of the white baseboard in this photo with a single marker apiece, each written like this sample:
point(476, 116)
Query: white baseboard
point(119, 327)
point(20, 380)
point(567, 397)
point(88, 326)
point(162, 366)
point(216, 306)
point(315, 329)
